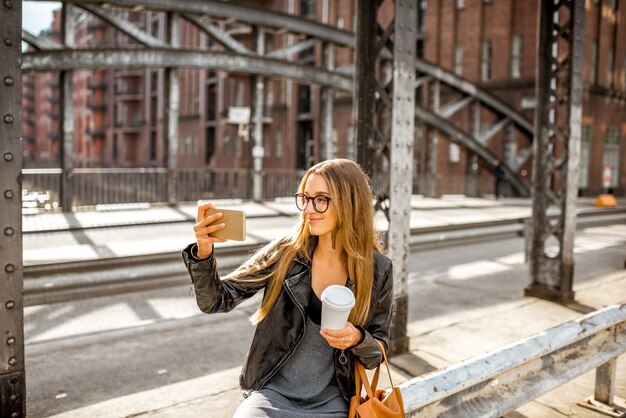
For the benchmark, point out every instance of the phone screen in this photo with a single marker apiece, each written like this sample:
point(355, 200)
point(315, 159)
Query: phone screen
point(235, 221)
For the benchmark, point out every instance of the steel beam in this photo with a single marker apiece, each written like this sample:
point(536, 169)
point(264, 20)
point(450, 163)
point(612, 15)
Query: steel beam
point(327, 98)
point(470, 143)
point(258, 152)
point(364, 102)
point(556, 148)
point(289, 51)
point(158, 58)
point(219, 35)
point(489, 133)
point(234, 12)
point(66, 109)
point(170, 121)
point(451, 108)
point(123, 25)
point(39, 42)
point(12, 372)
point(469, 88)
point(401, 175)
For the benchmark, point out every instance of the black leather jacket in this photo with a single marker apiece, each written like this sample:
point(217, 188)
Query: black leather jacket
point(278, 335)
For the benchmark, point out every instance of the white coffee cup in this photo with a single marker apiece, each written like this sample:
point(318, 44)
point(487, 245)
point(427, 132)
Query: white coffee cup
point(337, 302)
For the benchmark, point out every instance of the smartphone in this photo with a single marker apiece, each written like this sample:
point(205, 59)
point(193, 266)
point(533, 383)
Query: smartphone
point(235, 221)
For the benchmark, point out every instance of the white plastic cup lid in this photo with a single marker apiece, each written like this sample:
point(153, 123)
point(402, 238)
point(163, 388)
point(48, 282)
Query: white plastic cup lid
point(338, 297)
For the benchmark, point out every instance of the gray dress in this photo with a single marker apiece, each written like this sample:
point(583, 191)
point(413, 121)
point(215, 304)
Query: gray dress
point(304, 387)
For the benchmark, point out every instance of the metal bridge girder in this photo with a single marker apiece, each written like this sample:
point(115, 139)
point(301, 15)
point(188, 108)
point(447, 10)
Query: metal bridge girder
point(40, 42)
point(384, 122)
point(556, 148)
point(123, 25)
point(469, 142)
point(234, 12)
point(12, 372)
point(69, 59)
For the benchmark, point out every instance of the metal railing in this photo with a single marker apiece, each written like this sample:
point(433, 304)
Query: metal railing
point(92, 186)
point(502, 380)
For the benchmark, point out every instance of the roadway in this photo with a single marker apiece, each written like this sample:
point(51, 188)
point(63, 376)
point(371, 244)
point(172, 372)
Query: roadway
point(153, 352)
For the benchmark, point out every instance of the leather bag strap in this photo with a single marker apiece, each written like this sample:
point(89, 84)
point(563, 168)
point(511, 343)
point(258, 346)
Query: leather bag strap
point(360, 375)
point(382, 349)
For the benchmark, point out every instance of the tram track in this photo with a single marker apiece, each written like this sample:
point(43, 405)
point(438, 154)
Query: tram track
point(59, 282)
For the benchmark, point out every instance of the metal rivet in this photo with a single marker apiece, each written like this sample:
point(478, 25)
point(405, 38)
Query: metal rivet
point(10, 340)
point(8, 231)
point(14, 397)
point(8, 42)
point(9, 268)
point(8, 156)
point(12, 361)
point(15, 415)
point(8, 4)
point(8, 194)
point(8, 118)
point(8, 81)
point(13, 380)
point(10, 304)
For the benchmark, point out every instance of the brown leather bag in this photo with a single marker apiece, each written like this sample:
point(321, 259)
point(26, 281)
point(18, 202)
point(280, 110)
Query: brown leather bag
point(377, 403)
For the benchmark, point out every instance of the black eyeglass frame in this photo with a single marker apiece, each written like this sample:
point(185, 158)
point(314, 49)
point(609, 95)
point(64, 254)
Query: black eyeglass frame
point(311, 199)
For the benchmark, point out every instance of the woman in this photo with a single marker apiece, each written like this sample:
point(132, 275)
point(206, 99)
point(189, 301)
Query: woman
point(293, 368)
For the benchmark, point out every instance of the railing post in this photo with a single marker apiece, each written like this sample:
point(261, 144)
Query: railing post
point(604, 400)
point(605, 382)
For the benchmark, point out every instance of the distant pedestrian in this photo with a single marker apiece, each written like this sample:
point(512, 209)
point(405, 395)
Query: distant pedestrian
point(500, 176)
point(294, 368)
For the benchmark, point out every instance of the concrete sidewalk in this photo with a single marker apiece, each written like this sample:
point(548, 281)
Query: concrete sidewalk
point(472, 308)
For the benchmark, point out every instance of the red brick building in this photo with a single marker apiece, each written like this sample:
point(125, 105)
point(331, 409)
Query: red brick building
point(119, 114)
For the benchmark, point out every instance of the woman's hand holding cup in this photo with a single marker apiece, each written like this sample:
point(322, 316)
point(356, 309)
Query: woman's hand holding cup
point(204, 228)
point(342, 338)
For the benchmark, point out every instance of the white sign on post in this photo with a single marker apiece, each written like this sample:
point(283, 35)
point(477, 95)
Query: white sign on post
point(239, 115)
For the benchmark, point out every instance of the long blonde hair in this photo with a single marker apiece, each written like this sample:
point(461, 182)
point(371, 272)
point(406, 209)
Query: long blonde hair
point(352, 201)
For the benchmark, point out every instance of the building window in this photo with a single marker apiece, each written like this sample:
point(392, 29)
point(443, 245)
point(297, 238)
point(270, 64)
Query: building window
point(609, 70)
point(153, 145)
point(454, 153)
point(485, 60)
point(611, 153)
point(308, 9)
point(460, 4)
point(458, 60)
point(593, 74)
point(516, 56)
point(210, 145)
point(585, 156)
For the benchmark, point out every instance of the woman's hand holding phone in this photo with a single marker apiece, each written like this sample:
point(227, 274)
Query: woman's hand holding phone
point(204, 228)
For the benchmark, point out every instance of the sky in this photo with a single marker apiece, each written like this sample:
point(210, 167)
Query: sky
point(37, 15)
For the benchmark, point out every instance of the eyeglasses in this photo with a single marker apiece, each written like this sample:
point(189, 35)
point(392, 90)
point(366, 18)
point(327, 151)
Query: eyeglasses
point(320, 202)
